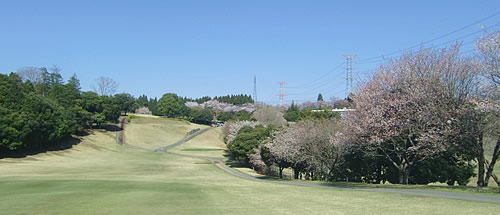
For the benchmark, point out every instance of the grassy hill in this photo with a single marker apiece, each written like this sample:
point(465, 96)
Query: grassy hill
point(99, 176)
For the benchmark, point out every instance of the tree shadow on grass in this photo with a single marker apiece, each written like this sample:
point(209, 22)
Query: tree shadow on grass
point(108, 127)
point(65, 143)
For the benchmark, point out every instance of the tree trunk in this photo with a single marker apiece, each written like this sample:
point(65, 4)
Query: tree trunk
point(281, 172)
point(491, 165)
point(495, 178)
point(296, 173)
point(379, 174)
point(404, 173)
point(480, 162)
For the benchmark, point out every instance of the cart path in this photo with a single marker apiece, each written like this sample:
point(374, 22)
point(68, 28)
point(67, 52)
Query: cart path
point(414, 192)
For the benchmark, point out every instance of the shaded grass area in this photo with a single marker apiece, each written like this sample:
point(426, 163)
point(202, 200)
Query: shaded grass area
point(99, 176)
point(465, 189)
point(201, 150)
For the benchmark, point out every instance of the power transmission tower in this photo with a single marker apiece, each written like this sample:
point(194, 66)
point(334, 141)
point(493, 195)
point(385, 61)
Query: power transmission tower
point(348, 78)
point(282, 92)
point(255, 89)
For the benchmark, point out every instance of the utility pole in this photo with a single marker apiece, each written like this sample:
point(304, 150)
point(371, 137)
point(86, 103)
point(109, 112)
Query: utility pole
point(255, 89)
point(282, 92)
point(348, 78)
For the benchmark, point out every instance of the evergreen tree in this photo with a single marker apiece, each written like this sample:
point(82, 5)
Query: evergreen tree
point(320, 97)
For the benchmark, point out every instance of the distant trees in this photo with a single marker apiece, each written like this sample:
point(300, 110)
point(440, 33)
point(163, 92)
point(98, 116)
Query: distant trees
point(320, 97)
point(201, 116)
point(31, 74)
point(235, 99)
point(269, 115)
point(171, 105)
point(294, 114)
point(126, 102)
point(105, 86)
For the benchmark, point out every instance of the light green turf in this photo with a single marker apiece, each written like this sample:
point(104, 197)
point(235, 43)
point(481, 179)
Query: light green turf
point(153, 133)
point(208, 144)
point(100, 177)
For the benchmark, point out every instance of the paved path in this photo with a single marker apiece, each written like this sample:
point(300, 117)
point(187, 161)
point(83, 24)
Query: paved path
point(415, 192)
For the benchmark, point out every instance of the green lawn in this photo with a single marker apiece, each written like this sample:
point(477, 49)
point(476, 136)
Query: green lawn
point(100, 177)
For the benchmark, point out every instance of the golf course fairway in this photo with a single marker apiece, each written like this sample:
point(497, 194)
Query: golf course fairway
point(99, 176)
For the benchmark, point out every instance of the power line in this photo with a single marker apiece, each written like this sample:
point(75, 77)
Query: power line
point(316, 88)
point(312, 83)
point(431, 40)
point(440, 44)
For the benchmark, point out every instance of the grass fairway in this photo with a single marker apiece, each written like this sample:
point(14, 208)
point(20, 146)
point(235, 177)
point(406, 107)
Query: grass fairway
point(153, 133)
point(208, 144)
point(100, 177)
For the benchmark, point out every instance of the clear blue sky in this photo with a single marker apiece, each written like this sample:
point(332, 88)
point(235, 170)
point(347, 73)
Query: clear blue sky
point(197, 48)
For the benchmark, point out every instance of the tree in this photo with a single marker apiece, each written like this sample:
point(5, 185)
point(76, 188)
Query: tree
point(269, 115)
point(142, 101)
point(171, 105)
point(55, 77)
point(247, 140)
point(488, 105)
point(311, 146)
point(126, 102)
point(74, 82)
point(320, 97)
point(242, 115)
point(31, 74)
point(293, 113)
point(105, 86)
point(201, 116)
point(231, 129)
point(225, 116)
point(407, 112)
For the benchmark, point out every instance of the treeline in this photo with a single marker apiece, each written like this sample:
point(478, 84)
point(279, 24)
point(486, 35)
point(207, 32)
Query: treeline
point(427, 116)
point(203, 110)
point(37, 109)
point(229, 99)
point(294, 113)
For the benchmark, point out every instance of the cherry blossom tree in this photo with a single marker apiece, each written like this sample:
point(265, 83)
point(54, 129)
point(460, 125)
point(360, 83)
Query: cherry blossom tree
point(488, 104)
point(231, 129)
point(409, 109)
point(313, 146)
point(269, 115)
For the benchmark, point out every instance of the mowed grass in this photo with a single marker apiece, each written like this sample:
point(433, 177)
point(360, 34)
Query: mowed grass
point(153, 133)
point(100, 177)
point(209, 143)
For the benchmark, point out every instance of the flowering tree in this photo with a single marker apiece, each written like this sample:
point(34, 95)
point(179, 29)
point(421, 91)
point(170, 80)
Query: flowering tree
point(488, 104)
point(313, 146)
point(269, 115)
point(231, 129)
point(221, 106)
point(286, 149)
point(409, 109)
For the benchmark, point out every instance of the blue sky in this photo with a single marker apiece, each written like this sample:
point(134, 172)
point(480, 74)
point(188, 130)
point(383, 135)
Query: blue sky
point(215, 47)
